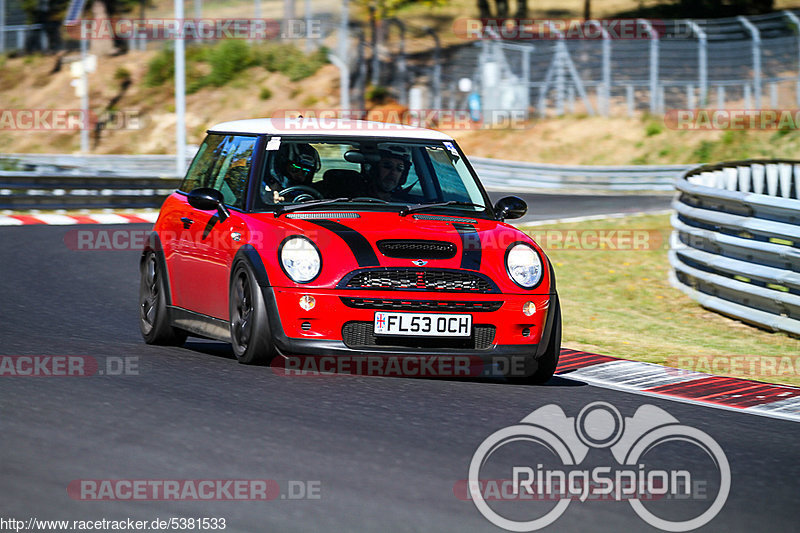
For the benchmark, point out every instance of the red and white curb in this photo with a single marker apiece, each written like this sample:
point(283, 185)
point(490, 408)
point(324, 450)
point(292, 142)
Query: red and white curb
point(735, 394)
point(70, 220)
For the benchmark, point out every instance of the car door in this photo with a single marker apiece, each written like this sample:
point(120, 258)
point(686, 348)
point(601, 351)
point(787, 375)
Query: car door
point(207, 244)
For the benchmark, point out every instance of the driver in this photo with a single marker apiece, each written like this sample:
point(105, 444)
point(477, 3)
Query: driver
point(295, 165)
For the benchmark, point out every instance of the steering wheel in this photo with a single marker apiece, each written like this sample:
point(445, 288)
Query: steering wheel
point(304, 193)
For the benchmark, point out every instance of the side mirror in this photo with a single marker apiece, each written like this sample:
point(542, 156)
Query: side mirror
point(206, 199)
point(510, 207)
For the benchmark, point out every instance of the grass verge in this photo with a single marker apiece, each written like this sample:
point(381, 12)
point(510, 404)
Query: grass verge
point(616, 300)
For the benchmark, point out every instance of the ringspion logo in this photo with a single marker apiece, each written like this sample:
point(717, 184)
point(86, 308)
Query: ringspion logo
point(555, 446)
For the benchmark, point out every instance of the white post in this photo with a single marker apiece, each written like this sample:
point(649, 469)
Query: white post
point(340, 60)
point(629, 97)
point(85, 94)
point(308, 25)
point(344, 82)
point(653, 64)
point(605, 100)
point(702, 59)
point(180, 96)
point(198, 14)
point(2, 26)
point(796, 21)
point(754, 33)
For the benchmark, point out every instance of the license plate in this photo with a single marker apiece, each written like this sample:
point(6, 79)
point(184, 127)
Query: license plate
point(423, 324)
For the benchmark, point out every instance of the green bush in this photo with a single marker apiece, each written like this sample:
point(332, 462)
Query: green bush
point(290, 60)
point(228, 58)
point(122, 75)
point(161, 68)
point(377, 94)
point(265, 93)
point(653, 128)
point(702, 153)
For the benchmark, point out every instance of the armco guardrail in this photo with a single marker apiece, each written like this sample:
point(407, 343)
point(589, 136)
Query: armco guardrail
point(64, 181)
point(61, 181)
point(508, 175)
point(33, 190)
point(736, 241)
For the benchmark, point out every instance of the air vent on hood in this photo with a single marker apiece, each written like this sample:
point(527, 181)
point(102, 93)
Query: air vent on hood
point(417, 249)
point(309, 216)
point(446, 219)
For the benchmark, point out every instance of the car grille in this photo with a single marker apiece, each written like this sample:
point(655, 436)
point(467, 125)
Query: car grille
point(413, 249)
point(409, 279)
point(421, 305)
point(360, 334)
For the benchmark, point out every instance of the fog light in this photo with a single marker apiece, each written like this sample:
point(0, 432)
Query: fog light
point(307, 302)
point(529, 308)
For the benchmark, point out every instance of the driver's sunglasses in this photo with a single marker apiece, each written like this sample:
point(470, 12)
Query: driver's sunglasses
point(303, 169)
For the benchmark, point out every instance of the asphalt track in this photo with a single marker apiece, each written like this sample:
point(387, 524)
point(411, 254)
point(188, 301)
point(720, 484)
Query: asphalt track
point(386, 452)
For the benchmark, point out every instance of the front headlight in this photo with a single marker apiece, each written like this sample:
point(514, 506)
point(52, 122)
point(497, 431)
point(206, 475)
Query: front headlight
point(524, 266)
point(300, 259)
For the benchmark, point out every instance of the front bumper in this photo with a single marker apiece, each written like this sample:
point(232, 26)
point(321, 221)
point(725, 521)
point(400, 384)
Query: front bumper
point(320, 330)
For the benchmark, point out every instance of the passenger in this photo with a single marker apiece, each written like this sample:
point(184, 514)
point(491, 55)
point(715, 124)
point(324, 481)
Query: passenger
point(389, 175)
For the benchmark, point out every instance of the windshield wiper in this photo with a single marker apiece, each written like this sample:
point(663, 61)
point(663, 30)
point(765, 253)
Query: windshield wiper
point(421, 207)
point(304, 205)
point(297, 207)
point(368, 199)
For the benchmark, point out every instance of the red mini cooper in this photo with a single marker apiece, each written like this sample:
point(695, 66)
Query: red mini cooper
point(346, 238)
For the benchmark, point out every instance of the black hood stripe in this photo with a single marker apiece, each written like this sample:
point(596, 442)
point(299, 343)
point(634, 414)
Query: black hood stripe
point(359, 245)
point(471, 246)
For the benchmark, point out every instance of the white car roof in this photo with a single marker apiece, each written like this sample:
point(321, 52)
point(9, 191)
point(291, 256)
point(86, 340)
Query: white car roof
point(327, 127)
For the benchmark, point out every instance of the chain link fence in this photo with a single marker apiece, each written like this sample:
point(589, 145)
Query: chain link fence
point(734, 63)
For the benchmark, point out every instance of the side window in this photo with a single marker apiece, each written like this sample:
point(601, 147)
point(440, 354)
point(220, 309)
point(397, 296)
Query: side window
point(449, 180)
point(222, 163)
point(231, 179)
point(199, 173)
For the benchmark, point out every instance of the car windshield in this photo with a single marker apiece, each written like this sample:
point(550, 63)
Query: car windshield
point(373, 174)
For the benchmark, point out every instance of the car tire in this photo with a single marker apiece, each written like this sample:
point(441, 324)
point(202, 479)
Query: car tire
point(251, 338)
point(153, 317)
point(548, 361)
